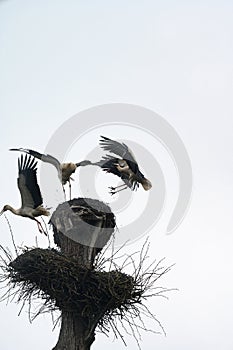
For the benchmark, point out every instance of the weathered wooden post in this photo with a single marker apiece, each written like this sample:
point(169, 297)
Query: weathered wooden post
point(81, 229)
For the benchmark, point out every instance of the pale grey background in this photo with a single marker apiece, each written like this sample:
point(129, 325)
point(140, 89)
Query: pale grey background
point(174, 57)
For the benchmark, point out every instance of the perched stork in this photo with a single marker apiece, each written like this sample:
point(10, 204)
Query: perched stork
point(32, 203)
point(65, 170)
point(125, 167)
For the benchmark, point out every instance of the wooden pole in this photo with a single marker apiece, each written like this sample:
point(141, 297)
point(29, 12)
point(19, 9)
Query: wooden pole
point(81, 229)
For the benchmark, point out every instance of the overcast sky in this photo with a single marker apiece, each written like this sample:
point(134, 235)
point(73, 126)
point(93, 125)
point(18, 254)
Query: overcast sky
point(59, 58)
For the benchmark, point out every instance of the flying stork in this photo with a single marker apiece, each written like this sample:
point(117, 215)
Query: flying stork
point(125, 167)
point(65, 170)
point(32, 203)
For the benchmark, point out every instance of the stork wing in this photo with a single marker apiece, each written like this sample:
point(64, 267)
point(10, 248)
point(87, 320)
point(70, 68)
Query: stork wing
point(121, 149)
point(27, 183)
point(47, 158)
point(108, 164)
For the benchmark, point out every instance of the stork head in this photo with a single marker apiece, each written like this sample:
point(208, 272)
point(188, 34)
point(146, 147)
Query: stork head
point(5, 208)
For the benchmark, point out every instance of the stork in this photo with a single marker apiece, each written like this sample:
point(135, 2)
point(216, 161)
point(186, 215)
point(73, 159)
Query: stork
point(125, 167)
point(65, 170)
point(32, 203)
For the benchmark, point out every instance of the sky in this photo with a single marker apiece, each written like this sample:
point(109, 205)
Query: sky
point(174, 58)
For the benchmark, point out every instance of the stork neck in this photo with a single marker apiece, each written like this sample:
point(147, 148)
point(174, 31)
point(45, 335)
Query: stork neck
point(13, 210)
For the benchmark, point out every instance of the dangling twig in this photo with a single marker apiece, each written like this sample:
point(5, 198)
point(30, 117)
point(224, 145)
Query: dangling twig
point(46, 230)
point(12, 236)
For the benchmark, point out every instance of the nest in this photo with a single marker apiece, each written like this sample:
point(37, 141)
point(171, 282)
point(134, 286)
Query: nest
point(69, 286)
point(102, 298)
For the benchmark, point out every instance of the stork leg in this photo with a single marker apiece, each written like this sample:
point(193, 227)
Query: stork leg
point(64, 192)
point(114, 188)
point(40, 227)
point(70, 188)
point(117, 189)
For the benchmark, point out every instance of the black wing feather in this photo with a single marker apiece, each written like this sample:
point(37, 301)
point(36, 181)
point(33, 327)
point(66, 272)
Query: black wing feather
point(108, 164)
point(27, 182)
point(113, 146)
point(121, 149)
point(47, 158)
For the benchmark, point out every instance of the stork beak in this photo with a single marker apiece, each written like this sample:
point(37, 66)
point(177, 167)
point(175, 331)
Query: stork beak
point(1, 212)
point(16, 149)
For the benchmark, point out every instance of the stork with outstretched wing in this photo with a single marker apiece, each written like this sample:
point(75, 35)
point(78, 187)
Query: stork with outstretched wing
point(125, 167)
point(32, 202)
point(65, 170)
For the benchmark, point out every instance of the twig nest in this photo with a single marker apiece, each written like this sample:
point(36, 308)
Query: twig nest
point(72, 287)
point(86, 221)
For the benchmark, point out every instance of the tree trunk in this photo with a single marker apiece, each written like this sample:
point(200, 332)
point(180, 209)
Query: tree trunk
point(73, 334)
point(92, 222)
